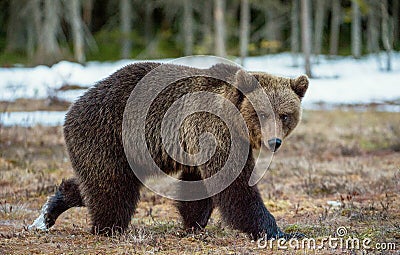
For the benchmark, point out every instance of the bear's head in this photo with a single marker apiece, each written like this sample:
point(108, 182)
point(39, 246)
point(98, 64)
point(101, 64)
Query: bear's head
point(270, 105)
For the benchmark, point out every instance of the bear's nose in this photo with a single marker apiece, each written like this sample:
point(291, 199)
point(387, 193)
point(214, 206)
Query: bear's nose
point(274, 144)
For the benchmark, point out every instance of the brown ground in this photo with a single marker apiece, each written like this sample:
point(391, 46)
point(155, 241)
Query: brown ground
point(30, 105)
point(349, 157)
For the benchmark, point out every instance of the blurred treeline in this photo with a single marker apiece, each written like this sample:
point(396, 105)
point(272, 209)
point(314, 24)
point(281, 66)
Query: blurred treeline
point(46, 31)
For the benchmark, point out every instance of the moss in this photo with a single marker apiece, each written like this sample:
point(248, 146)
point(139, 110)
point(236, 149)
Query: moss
point(9, 59)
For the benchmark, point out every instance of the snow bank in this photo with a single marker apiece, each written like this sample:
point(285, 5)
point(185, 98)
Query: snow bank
point(39, 81)
point(339, 81)
point(28, 119)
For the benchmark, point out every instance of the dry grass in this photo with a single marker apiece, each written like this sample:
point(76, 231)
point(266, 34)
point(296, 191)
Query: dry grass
point(349, 157)
point(52, 103)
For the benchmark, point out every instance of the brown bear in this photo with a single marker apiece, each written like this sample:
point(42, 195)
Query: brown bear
point(105, 182)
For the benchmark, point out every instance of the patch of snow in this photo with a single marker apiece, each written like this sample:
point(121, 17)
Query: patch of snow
point(39, 222)
point(334, 203)
point(28, 119)
point(352, 107)
point(338, 81)
point(71, 95)
point(39, 81)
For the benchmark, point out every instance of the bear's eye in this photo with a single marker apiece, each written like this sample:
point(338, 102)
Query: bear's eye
point(284, 117)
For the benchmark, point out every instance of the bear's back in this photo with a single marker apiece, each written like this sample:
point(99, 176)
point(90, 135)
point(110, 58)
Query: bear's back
point(93, 125)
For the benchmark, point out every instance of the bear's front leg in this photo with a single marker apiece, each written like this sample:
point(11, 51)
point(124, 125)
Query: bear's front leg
point(195, 214)
point(242, 208)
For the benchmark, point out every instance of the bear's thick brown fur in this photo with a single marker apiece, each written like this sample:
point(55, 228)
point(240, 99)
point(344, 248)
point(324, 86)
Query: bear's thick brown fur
point(105, 182)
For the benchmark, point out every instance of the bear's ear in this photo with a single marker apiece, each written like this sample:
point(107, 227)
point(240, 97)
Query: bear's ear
point(245, 82)
point(300, 85)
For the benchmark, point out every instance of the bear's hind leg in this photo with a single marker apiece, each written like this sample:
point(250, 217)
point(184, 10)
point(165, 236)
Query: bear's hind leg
point(195, 214)
point(111, 204)
point(67, 196)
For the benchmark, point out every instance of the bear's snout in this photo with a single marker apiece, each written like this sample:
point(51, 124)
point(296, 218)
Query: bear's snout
point(274, 144)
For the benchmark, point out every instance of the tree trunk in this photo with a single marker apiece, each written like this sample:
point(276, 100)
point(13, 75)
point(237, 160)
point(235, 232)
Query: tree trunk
point(15, 38)
point(188, 26)
point(206, 17)
point(306, 35)
point(77, 29)
point(355, 30)
point(295, 32)
point(273, 25)
point(373, 27)
point(386, 33)
point(219, 10)
point(30, 41)
point(244, 29)
point(49, 50)
point(319, 26)
point(335, 27)
point(87, 12)
point(148, 22)
point(33, 28)
point(125, 9)
point(396, 23)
